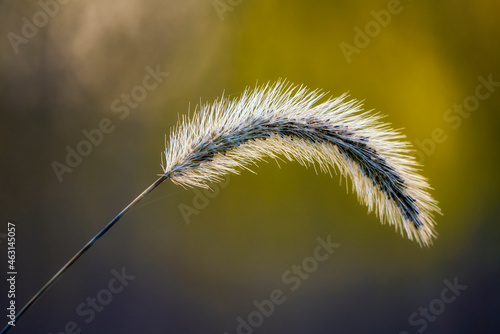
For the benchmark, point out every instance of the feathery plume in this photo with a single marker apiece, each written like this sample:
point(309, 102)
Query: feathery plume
point(285, 120)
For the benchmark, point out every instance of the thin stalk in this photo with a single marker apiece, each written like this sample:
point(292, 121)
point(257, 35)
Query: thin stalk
point(84, 249)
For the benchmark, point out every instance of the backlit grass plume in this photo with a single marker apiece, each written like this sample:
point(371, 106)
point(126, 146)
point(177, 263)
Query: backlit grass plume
point(282, 120)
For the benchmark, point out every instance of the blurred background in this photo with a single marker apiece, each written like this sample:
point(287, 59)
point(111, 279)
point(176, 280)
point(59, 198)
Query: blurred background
point(200, 262)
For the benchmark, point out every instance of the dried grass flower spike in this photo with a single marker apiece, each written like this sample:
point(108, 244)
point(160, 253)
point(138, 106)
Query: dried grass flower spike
point(283, 120)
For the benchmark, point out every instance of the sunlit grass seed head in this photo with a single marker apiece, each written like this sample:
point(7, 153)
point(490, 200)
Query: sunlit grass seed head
point(282, 120)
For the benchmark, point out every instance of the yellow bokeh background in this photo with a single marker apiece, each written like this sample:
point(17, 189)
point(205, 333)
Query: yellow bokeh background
point(200, 277)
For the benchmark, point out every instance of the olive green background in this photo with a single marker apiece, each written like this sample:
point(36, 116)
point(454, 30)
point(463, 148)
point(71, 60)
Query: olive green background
point(200, 277)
